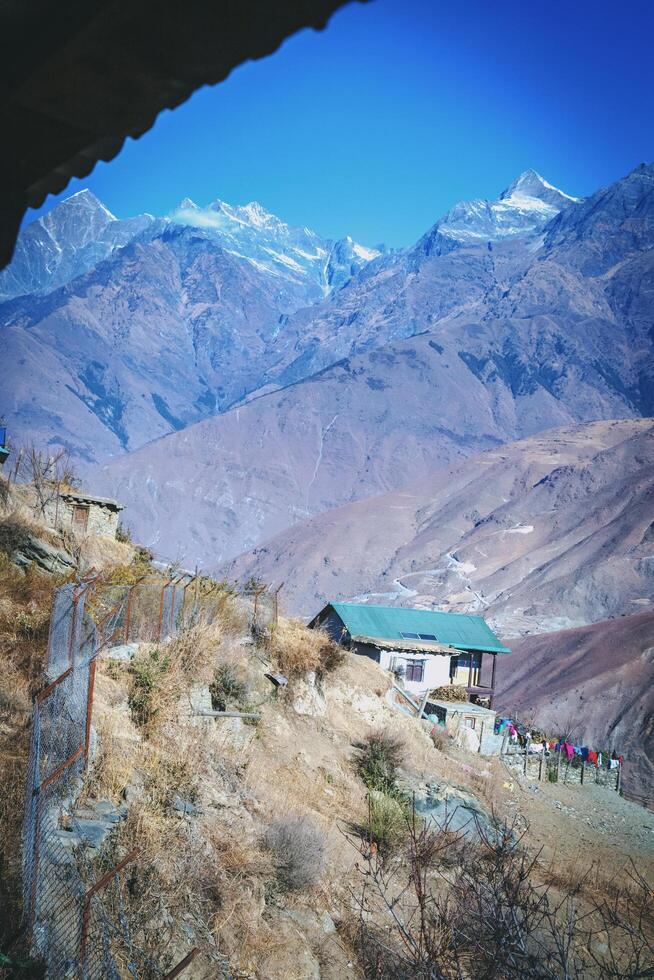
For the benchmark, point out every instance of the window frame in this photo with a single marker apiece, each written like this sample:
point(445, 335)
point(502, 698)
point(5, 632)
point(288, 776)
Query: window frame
point(410, 667)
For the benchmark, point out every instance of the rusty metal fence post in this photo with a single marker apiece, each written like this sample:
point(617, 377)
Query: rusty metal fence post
point(88, 896)
point(57, 900)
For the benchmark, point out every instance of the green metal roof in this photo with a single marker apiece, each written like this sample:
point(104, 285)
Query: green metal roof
point(389, 622)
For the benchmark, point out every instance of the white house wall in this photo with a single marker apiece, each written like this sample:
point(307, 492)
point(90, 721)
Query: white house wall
point(437, 669)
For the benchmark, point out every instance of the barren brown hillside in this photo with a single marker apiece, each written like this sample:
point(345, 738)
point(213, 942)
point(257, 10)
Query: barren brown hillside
point(597, 680)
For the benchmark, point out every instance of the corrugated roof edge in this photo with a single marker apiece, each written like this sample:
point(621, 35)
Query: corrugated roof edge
point(486, 648)
point(407, 645)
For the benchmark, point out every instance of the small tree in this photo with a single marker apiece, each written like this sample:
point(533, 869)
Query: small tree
point(48, 475)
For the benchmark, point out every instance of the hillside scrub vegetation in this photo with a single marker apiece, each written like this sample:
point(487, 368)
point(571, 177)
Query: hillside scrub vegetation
point(291, 847)
point(298, 852)
point(26, 595)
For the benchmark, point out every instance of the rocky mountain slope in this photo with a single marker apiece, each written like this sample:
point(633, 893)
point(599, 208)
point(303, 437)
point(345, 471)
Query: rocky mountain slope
point(423, 358)
point(597, 680)
point(513, 287)
point(550, 532)
point(133, 329)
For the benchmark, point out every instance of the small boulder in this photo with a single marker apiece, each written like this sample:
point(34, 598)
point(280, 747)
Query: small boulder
point(308, 699)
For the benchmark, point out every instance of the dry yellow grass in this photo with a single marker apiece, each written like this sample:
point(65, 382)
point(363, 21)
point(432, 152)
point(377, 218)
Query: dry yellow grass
point(297, 650)
point(25, 602)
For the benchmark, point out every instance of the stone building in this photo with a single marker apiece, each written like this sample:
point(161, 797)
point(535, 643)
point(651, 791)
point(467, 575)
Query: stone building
point(83, 514)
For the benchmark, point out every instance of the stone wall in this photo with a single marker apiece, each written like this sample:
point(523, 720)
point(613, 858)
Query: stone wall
point(102, 517)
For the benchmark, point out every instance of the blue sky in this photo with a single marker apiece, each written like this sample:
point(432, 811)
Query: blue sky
point(400, 108)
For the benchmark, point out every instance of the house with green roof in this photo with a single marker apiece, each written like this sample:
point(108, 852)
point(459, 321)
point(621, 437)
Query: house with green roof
point(424, 648)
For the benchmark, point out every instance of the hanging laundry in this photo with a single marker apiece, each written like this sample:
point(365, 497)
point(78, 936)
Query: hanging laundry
point(599, 760)
point(569, 750)
point(584, 753)
point(592, 757)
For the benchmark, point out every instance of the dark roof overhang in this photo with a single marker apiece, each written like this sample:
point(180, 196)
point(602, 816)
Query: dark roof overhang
point(79, 77)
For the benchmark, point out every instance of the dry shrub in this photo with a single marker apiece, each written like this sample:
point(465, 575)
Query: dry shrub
point(297, 650)
point(114, 763)
point(162, 674)
point(478, 907)
point(298, 851)
point(228, 688)
point(439, 737)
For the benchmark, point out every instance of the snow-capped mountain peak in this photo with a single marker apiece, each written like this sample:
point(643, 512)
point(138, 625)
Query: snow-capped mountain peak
point(254, 233)
point(85, 199)
point(530, 186)
point(523, 209)
point(81, 231)
point(73, 237)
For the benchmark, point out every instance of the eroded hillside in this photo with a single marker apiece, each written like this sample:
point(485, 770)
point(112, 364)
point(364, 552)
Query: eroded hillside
point(550, 532)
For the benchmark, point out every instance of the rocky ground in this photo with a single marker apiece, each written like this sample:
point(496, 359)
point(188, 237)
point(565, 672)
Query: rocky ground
point(298, 761)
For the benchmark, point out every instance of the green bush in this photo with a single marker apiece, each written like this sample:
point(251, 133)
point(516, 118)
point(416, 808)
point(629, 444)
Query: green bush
point(227, 689)
point(147, 672)
point(378, 759)
point(387, 821)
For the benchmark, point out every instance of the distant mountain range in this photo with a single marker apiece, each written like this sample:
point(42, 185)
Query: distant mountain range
point(117, 332)
point(288, 375)
point(423, 358)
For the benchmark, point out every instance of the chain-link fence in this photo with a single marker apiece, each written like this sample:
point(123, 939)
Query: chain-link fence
point(76, 922)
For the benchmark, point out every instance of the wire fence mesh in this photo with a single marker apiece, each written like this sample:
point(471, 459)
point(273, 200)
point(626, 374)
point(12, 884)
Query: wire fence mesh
point(77, 924)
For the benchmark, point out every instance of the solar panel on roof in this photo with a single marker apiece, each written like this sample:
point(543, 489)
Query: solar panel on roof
point(427, 636)
point(409, 636)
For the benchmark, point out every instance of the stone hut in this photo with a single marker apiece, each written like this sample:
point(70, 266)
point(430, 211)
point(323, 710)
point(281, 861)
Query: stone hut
point(83, 514)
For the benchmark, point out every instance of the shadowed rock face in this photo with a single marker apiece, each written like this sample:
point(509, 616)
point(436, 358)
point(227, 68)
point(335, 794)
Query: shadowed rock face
point(542, 534)
point(598, 680)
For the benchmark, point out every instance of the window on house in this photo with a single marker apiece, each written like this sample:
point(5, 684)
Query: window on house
point(470, 722)
point(414, 670)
